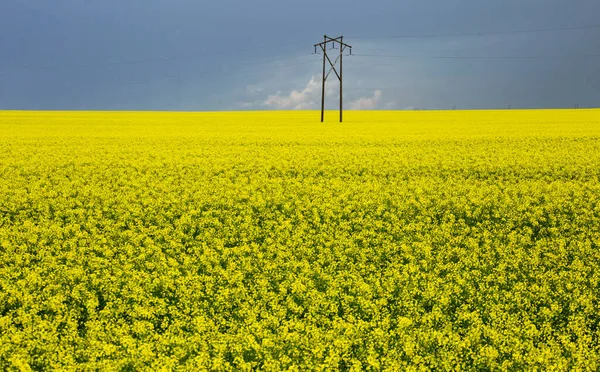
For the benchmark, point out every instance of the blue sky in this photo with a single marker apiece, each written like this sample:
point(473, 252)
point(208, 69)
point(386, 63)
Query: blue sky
point(254, 55)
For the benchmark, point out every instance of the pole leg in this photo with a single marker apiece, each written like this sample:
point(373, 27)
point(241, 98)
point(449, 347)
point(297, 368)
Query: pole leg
point(323, 88)
point(341, 76)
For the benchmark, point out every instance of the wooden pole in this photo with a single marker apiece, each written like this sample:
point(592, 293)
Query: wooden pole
point(323, 89)
point(339, 74)
point(341, 90)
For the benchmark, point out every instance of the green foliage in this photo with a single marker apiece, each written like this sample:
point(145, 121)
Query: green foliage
point(395, 241)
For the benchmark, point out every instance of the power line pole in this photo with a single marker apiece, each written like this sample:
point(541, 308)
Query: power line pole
point(342, 46)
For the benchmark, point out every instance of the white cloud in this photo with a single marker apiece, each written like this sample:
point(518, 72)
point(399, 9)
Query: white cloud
point(367, 103)
point(307, 98)
point(391, 105)
point(254, 89)
point(246, 105)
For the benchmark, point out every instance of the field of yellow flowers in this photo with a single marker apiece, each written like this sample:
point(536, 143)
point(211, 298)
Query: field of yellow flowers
point(461, 240)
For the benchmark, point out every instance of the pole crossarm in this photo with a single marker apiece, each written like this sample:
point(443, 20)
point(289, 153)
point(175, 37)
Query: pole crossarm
point(332, 40)
point(332, 67)
point(324, 43)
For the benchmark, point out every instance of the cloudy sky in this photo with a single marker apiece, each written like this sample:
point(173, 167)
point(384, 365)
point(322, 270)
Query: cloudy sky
point(257, 55)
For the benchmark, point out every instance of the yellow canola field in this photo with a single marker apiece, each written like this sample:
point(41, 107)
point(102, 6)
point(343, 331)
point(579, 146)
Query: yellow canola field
point(462, 240)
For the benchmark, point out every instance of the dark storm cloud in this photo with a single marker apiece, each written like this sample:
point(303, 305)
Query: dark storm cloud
point(194, 55)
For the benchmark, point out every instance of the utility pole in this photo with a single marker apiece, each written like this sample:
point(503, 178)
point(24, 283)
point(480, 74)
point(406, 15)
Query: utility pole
point(342, 46)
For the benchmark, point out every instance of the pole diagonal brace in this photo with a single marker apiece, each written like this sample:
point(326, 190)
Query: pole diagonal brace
point(332, 68)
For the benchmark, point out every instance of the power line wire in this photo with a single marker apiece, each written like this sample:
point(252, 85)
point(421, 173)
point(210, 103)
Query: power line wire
point(486, 33)
point(456, 50)
point(149, 60)
point(480, 57)
point(207, 73)
point(211, 73)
